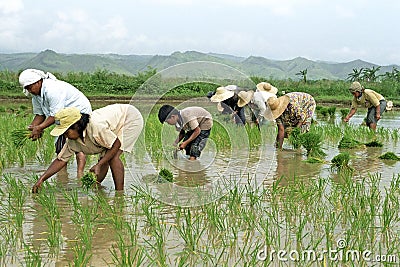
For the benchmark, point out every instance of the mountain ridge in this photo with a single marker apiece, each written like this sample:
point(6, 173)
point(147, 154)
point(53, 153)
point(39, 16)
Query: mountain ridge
point(52, 61)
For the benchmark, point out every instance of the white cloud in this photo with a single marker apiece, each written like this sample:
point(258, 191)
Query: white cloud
point(7, 6)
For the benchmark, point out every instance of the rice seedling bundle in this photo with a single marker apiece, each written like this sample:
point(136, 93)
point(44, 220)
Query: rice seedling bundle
point(374, 144)
point(294, 137)
point(390, 156)
point(341, 161)
point(166, 175)
point(19, 137)
point(348, 142)
point(88, 180)
point(312, 142)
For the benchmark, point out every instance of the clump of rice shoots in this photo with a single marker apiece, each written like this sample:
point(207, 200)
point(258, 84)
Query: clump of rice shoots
point(341, 161)
point(19, 137)
point(295, 138)
point(314, 160)
point(331, 111)
point(166, 175)
point(389, 156)
point(374, 143)
point(348, 142)
point(88, 180)
point(344, 112)
point(312, 142)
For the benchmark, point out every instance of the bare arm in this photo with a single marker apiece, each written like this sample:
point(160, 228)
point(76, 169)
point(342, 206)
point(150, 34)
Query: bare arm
point(37, 129)
point(351, 113)
point(378, 112)
point(107, 156)
point(54, 167)
point(193, 136)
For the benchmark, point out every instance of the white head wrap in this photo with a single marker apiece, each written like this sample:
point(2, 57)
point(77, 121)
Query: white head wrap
point(30, 76)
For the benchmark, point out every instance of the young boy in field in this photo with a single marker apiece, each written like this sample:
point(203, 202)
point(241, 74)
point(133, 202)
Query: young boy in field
point(193, 124)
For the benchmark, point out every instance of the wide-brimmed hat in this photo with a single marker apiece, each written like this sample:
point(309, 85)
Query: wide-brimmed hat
point(64, 119)
point(355, 87)
point(221, 94)
point(389, 105)
point(245, 97)
point(277, 105)
point(267, 87)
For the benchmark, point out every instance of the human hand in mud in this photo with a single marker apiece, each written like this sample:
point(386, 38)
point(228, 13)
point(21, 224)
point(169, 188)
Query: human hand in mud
point(36, 187)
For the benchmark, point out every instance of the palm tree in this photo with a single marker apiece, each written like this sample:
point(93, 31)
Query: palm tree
point(370, 74)
point(355, 75)
point(303, 74)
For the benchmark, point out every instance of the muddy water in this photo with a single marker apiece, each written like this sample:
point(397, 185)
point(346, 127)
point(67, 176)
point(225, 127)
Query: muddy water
point(264, 165)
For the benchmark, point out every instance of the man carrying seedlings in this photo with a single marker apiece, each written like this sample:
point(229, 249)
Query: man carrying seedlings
point(372, 100)
point(193, 124)
point(50, 95)
point(291, 110)
point(108, 132)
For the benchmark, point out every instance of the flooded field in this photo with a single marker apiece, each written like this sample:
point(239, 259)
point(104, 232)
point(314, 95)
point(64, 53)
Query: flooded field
point(238, 205)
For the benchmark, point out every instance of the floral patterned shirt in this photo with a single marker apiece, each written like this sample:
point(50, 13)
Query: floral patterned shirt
point(301, 108)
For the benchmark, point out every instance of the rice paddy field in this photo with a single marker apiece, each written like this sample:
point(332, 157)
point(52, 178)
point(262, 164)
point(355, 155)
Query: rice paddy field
point(244, 203)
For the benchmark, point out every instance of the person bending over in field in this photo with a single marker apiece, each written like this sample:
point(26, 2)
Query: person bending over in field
point(291, 110)
point(372, 100)
point(193, 124)
point(108, 132)
point(50, 95)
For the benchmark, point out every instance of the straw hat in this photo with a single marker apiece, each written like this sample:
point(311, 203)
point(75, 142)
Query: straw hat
point(355, 87)
point(64, 119)
point(267, 87)
point(278, 105)
point(221, 94)
point(389, 105)
point(245, 97)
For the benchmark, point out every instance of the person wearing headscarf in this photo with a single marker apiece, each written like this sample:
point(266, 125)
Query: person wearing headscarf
point(50, 95)
point(107, 132)
point(373, 101)
point(227, 99)
point(291, 110)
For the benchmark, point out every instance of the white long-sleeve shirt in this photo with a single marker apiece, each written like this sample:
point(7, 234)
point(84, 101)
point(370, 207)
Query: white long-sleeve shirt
point(56, 95)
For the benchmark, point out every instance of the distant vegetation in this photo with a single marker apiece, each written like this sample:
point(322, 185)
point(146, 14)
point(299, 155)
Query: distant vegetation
point(103, 83)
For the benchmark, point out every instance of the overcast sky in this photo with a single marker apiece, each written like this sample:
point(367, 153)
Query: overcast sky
point(328, 30)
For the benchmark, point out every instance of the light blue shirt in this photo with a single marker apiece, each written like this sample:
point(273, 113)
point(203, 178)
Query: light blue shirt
point(56, 95)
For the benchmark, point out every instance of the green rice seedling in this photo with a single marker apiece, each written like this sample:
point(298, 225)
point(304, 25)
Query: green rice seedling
point(341, 161)
point(389, 156)
point(32, 258)
point(88, 180)
point(51, 213)
point(331, 111)
point(344, 112)
point(314, 160)
point(19, 137)
point(374, 143)
point(166, 175)
point(324, 111)
point(348, 142)
point(294, 138)
point(312, 142)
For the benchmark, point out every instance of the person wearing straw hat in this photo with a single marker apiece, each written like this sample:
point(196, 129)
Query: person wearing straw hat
point(267, 87)
point(256, 101)
point(228, 99)
point(373, 101)
point(291, 110)
point(108, 132)
point(49, 95)
point(193, 124)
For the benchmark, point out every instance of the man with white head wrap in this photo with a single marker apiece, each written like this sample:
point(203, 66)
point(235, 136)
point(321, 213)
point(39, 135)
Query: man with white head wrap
point(50, 95)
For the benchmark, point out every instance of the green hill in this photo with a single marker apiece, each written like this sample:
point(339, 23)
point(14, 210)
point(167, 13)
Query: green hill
point(49, 60)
